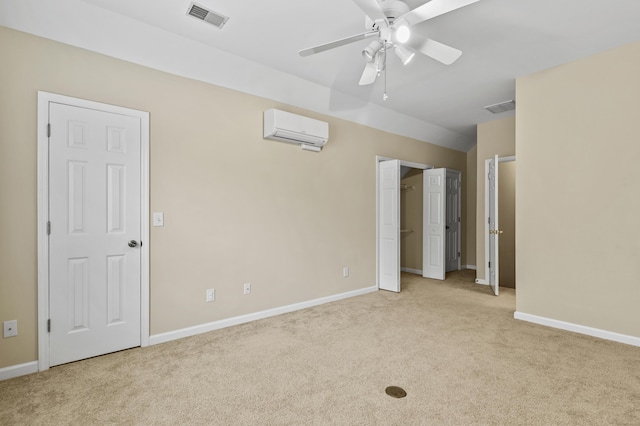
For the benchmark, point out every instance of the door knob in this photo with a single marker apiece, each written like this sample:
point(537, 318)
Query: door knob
point(133, 243)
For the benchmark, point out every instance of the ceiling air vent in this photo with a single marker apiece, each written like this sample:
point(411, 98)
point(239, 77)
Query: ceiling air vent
point(214, 18)
point(501, 107)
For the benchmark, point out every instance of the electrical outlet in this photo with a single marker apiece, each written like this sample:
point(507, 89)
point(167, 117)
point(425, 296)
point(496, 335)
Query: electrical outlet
point(211, 295)
point(10, 328)
point(345, 271)
point(247, 288)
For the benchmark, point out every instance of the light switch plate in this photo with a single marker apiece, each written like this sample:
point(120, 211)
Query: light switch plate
point(158, 219)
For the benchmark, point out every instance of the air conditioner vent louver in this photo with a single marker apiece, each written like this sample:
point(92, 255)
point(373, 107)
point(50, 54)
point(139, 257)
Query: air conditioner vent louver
point(198, 12)
point(214, 18)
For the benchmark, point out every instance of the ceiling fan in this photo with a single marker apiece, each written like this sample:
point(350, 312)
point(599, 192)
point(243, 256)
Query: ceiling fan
point(390, 22)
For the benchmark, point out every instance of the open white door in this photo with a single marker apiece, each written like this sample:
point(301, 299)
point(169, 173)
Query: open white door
point(389, 225)
point(433, 240)
point(494, 232)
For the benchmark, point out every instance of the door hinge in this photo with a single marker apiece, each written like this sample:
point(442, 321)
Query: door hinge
point(489, 220)
point(48, 228)
point(458, 254)
point(49, 326)
point(489, 265)
point(48, 130)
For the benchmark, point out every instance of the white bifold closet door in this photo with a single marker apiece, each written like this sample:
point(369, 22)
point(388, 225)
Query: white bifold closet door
point(434, 238)
point(389, 225)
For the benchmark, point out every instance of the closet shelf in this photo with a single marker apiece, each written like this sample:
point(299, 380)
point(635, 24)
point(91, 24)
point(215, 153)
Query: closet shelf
point(406, 230)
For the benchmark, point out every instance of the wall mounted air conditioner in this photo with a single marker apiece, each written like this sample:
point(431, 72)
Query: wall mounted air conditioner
point(284, 126)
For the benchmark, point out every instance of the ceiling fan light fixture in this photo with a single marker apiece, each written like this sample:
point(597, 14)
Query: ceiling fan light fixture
point(369, 52)
point(405, 54)
point(402, 31)
point(381, 60)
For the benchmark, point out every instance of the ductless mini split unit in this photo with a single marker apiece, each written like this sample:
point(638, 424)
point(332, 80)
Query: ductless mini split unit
point(284, 126)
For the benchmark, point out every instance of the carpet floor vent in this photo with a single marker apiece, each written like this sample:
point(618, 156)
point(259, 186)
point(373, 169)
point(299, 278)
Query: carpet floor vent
point(395, 392)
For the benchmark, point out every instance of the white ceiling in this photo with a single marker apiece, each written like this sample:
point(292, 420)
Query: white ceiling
point(500, 39)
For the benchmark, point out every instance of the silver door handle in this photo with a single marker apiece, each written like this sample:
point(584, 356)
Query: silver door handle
point(133, 243)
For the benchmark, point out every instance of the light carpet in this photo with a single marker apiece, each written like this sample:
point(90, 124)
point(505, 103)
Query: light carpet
point(452, 346)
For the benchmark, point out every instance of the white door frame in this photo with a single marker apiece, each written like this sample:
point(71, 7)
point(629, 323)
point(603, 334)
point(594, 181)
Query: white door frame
point(402, 163)
point(485, 281)
point(44, 98)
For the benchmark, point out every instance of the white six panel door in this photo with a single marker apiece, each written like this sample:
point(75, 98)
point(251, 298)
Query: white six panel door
point(389, 232)
point(94, 210)
point(433, 241)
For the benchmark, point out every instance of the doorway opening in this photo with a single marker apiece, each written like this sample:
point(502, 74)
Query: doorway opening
point(418, 221)
point(497, 233)
point(411, 188)
point(507, 214)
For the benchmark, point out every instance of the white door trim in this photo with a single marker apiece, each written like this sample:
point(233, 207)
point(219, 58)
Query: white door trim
point(510, 158)
point(402, 163)
point(44, 98)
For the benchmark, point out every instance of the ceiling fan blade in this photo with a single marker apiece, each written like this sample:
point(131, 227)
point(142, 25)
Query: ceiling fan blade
point(337, 43)
point(372, 9)
point(369, 74)
point(434, 8)
point(434, 49)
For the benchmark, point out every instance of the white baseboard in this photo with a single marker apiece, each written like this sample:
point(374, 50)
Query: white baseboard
point(577, 328)
point(18, 370)
point(470, 267)
point(216, 325)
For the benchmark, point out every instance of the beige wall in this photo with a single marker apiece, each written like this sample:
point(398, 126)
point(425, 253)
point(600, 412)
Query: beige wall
point(494, 138)
point(507, 218)
point(237, 208)
point(578, 178)
point(411, 220)
point(469, 190)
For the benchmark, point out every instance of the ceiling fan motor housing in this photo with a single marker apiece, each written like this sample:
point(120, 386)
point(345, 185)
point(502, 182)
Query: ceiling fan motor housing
point(392, 9)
